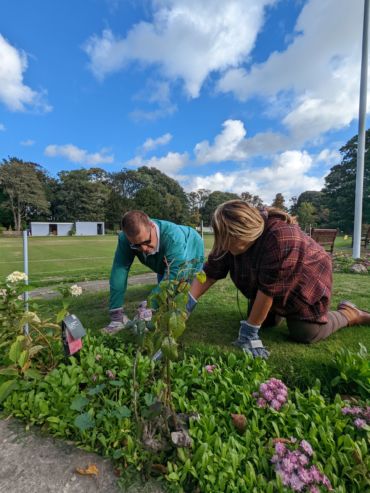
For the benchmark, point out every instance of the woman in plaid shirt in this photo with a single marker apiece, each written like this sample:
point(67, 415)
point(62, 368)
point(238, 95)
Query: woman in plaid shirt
point(280, 269)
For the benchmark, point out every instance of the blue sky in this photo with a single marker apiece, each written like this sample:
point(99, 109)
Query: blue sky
point(237, 95)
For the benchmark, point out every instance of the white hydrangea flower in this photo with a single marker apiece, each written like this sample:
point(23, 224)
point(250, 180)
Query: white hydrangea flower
point(16, 276)
point(75, 290)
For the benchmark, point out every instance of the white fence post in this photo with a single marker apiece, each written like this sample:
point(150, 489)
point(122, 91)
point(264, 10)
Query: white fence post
point(25, 269)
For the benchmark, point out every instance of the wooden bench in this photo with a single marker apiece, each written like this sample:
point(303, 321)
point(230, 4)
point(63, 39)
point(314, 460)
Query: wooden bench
point(324, 237)
point(365, 240)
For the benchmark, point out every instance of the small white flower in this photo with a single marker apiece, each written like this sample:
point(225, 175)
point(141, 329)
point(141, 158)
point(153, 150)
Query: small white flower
point(75, 290)
point(3, 293)
point(16, 276)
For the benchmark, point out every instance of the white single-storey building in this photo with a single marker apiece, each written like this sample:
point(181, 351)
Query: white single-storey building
point(82, 228)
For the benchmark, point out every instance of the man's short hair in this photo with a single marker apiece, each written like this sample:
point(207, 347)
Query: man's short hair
point(133, 221)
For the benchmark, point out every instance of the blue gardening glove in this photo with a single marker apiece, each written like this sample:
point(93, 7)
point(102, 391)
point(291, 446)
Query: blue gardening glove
point(191, 304)
point(250, 342)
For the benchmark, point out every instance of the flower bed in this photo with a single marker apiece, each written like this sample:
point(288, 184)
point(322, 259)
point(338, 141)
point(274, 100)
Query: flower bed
point(203, 424)
point(344, 262)
point(90, 402)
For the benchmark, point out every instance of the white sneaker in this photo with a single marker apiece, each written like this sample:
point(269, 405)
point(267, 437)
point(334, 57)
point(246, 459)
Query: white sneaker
point(114, 327)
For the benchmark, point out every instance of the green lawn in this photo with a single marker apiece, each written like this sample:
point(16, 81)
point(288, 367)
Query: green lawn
point(215, 322)
point(76, 258)
point(69, 258)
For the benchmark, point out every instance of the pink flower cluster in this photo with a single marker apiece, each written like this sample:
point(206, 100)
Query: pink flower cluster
point(292, 464)
point(210, 368)
point(110, 374)
point(272, 393)
point(361, 415)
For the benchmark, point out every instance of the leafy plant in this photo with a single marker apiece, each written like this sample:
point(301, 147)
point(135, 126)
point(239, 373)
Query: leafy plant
point(80, 401)
point(353, 371)
point(30, 353)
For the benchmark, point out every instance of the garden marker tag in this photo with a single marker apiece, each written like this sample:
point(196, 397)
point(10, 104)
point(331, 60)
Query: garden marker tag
point(72, 332)
point(74, 345)
point(74, 326)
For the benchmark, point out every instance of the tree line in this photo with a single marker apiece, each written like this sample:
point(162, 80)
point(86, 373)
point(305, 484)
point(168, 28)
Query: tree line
point(29, 193)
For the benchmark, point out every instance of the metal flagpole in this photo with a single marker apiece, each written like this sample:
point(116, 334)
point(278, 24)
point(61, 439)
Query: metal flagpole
point(25, 269)
point(361, 138)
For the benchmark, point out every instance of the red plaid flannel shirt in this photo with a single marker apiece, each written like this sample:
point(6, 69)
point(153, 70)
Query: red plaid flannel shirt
point(283, 263)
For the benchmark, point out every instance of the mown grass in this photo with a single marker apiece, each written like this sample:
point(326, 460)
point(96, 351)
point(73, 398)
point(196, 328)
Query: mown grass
point(77, 258)
point(65, 259)
point(215, 322)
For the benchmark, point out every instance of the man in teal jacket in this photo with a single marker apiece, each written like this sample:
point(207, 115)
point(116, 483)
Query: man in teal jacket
point(163, 246)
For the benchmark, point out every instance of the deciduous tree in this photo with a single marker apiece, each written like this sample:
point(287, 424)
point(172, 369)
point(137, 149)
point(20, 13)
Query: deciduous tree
point(340, 186)
point(24, 191)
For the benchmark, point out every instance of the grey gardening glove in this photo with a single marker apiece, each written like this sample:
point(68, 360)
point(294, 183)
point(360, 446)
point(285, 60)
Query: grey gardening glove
point(118, 321)
point(144, 312)
point(250, 342)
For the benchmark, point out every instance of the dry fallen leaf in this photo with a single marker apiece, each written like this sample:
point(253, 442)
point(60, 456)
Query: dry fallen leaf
point(90, 470)
point(159, 468)
point(281, 440)
point(239, 421)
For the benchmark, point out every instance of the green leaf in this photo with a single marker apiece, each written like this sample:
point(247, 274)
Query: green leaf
point(180, 301)
point(33, 373)
point(23, 358)
point(34, 350)
point(172, 322)
point(9, 372)
point(122, 412)
point(7, 388)
point(149, 399)
point(84, 422)
point(201, 276)
point(16, 349)
point(180, 328)
point(61, 315)
point(79, 402)
point(116, 383)
point(169, 348)
point(97, 389)
point(117, 454)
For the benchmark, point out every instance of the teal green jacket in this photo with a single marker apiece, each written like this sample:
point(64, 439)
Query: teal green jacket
point(178, 244)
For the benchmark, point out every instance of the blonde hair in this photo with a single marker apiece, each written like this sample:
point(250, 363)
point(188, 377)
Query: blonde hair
point(238, 219)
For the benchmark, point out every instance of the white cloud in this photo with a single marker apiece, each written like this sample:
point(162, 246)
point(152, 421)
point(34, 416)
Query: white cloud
point(151, 144)
point(77, 155)
point(226, 144)
point(13, 92)
point(168, 164)
point(155, 91)
point(2, 127)
point(27, 143)
point(288, 174)
point(156, 96)
point(139, 115)
point(231, 144)
point(329, 156)
point(316, 77)
point(187, 40)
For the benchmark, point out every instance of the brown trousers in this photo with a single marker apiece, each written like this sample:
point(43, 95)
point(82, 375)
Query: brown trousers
point(307, 332)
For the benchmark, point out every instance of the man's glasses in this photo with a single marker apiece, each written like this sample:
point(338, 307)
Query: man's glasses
point(137, 246)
